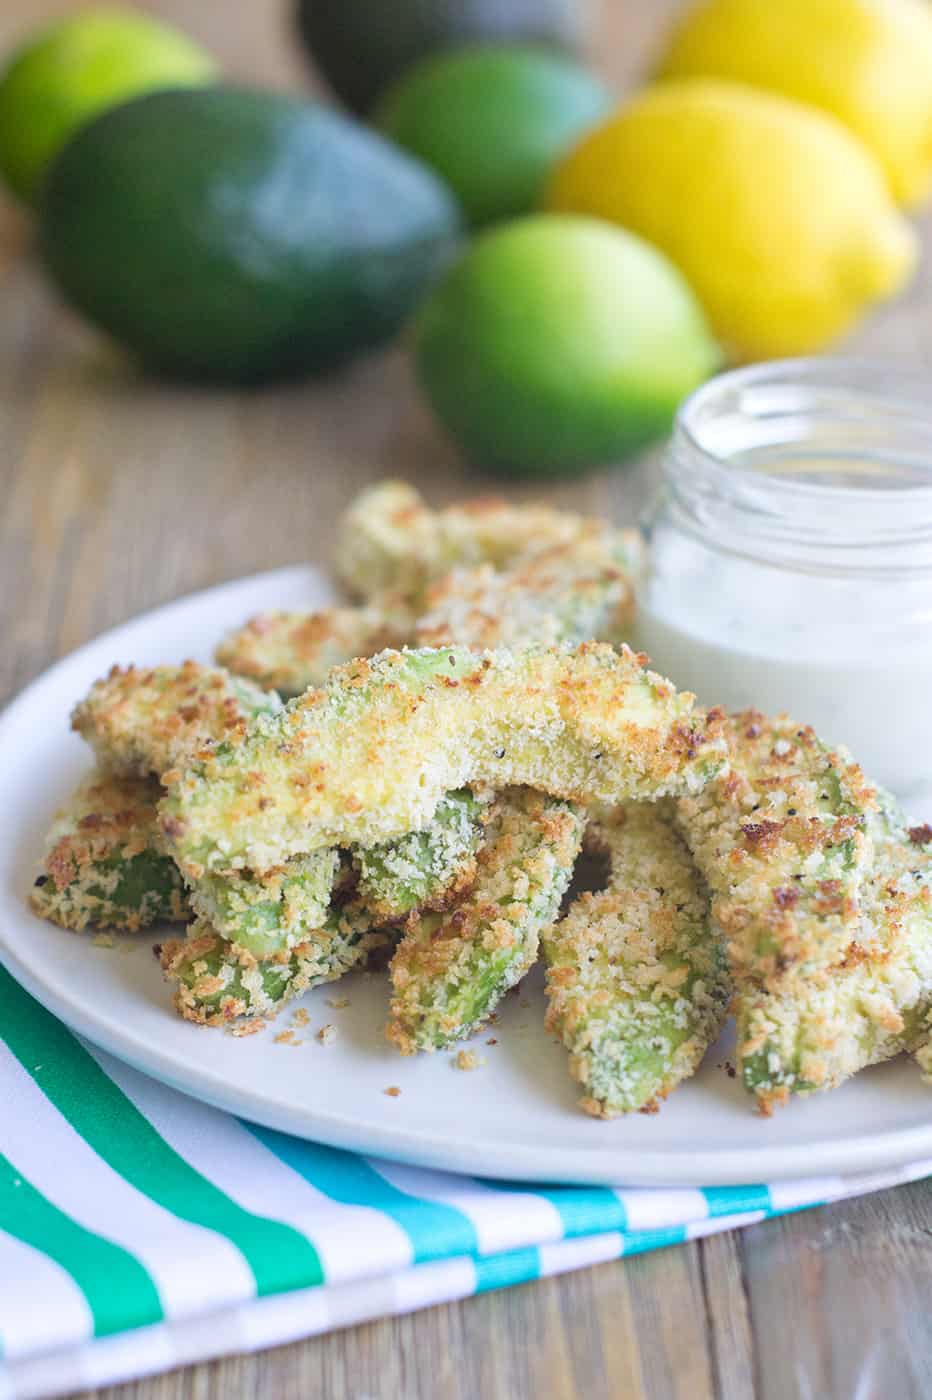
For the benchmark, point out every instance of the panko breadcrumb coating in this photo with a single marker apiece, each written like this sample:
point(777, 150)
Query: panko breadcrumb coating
point(104, 866)
point(782, 839)
point(571, 593)
point(370, 756)
point(290, 651)
point(568, 594)
point(425, 869)
point(392, 542)
point(874, 1003)
point(217, 982)
point(141, 721)
point(268, 913)
point(636, 984)
point(451, 970)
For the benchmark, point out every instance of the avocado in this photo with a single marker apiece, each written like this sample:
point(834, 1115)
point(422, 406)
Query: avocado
point(234, 235)
point(360, 46)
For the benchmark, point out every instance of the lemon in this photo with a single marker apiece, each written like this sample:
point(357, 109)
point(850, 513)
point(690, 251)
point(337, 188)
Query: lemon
point(869, 64)
point(559, 343)
point(73, 70)
point(779, 218)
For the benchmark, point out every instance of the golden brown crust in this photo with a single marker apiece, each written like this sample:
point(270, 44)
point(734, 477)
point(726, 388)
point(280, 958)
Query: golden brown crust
point(141, 721)
point(782, 840)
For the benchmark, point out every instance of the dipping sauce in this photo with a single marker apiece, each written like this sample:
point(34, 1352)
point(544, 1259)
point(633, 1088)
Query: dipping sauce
point(791, 556)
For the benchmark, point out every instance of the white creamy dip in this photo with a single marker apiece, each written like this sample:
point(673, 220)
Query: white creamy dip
point(791, 557)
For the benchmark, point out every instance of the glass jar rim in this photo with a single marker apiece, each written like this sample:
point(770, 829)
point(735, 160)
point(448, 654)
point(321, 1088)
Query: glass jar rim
point(821, 463)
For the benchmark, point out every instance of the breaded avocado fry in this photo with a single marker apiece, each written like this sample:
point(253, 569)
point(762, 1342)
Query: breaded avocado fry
point(782, 840)
point(451, 969)
point(370, 756)
point(822, 1028)
point(217, 981)
point(140, 721)
point(636, 984)
point(568, 594)
point(104, 866)
point(290, 651)
point(392, 542)
point(572, 593)
point(425, 869)
point(268, 913)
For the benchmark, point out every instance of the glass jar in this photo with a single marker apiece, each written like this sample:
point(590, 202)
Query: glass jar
point(791, 556)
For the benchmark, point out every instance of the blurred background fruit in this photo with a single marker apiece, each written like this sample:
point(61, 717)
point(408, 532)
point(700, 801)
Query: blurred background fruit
point(778, 216)
point(492, 120)
point(868, 64)
point(360, 46)
point(232, 234)
point(557, 343)
point(75, 69)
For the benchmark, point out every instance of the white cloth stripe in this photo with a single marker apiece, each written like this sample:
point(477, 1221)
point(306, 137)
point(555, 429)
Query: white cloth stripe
point(697, 1229)
point(786, 1195)
point(26, 1275)
point(580, 1253)
point(649, 1209)
point(441, 1282)
point(352, 1241)
point(45, 1148)
point(501, 1219)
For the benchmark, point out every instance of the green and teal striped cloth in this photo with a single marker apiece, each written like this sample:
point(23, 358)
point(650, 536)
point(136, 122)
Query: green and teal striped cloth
point(140, 1230)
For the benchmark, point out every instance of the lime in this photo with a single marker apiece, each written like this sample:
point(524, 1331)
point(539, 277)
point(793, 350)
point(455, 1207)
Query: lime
point(492, 121)
point(558, 343)
point(76, 68)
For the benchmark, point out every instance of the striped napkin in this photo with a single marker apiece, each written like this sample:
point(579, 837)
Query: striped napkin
point(140, 1230)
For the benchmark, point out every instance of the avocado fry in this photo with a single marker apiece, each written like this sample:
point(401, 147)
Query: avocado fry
point(141, 721)
point(425, 869)
point(819, 1029)
point(290, 651)
point(391, 542)
point(637, 985)
point(783, 840)
point(451, 969)
point(104, 865)
point(369, 757)
point(217, 981)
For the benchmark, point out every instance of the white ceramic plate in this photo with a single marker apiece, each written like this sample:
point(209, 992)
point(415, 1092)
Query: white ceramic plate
point(513, 1117)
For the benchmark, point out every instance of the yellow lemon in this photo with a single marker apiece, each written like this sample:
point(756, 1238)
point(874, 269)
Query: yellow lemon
point(777, 215)
point(868, 63)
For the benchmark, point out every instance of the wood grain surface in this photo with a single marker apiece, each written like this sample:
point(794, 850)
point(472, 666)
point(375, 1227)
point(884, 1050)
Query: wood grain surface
point(119, 493)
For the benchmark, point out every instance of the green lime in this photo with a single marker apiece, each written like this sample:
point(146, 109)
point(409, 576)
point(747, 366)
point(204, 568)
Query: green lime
point(493, 120)
point(75, 69)
point(559, 343)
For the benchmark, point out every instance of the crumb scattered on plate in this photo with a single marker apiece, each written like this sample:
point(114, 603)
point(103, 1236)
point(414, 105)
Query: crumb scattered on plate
point(467, 1059)
point(338, 1003)
point(392, 1091)
point(301, 1017)
point(247, 1028)
point(326, 1034)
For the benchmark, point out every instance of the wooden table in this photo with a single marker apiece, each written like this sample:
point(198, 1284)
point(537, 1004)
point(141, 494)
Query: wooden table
point(120, 493)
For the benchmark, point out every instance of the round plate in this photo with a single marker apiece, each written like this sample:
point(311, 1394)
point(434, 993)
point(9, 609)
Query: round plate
point(515, 1116)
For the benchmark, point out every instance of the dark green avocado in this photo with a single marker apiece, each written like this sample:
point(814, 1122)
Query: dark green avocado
point(235, 235)
point(360, 46)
